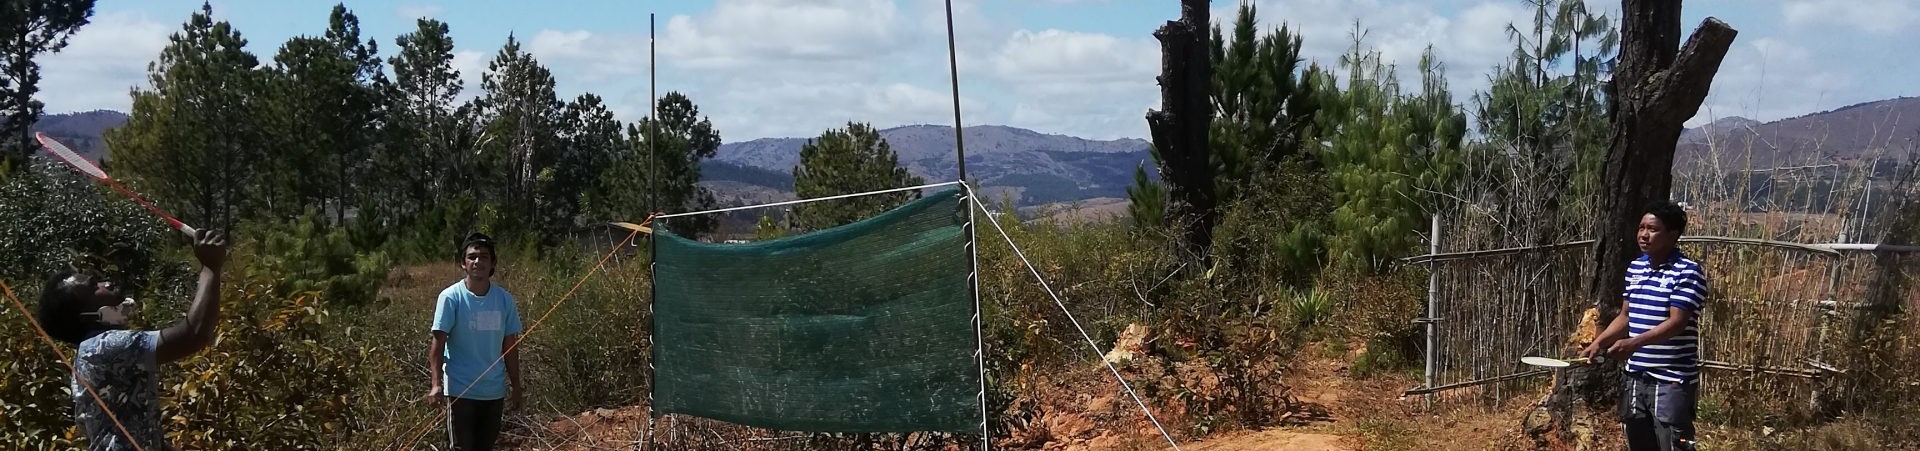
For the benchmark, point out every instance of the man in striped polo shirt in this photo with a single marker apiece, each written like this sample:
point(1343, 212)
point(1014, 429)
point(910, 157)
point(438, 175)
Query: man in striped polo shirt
point(1659, 321)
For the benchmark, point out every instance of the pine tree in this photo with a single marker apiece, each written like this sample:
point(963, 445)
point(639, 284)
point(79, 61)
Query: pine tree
point(767, 229)
point(197, 137)
point(1265, 104)
point(593, 141)
point(1148, 206)
point(848, 161)
point(521, 114)
point(1383, 150)
point(660, 169)
point(423, 176)
point(29, 28)
point(1550, 126)
point(329, 110)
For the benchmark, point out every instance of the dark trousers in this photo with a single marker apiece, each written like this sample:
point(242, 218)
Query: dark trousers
point(1658, 414)
point(473, 425)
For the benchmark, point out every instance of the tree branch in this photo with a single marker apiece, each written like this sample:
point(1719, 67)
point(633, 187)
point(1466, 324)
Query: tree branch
point(1684, 86)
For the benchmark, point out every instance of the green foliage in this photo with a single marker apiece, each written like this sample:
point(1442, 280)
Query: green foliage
point(1276, 232)
point(1376, 308)
point(305, 258)
point(326, 108)
point(35, 407)
point(53, 218)
point(32, 28)
point(520, 117)
point(422, 181)
point(198, 136)
point(1266, 103)
point(847, 161)
point(1548, 127)
point(593, 143)
point(1310, 308)
point(289, 371)
point(660, 168)
point(281, 374)
point(1266, 108)
point(1147, 204)
point(591, 352)
point(1386, 153)
point(767, 229)
point(276, 378)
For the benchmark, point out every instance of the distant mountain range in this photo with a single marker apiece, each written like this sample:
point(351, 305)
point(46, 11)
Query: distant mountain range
point(1888, 130)
point(1032, 167)
point(1052, 173)
point(83, 132)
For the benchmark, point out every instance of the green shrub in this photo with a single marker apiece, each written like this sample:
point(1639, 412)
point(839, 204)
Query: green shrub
point(302, 256)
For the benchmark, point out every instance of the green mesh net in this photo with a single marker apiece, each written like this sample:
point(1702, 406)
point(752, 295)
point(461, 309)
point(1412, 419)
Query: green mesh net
point(866, 327)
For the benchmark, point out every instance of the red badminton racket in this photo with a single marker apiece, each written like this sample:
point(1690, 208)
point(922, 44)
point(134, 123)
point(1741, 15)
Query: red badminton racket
point(91, 170)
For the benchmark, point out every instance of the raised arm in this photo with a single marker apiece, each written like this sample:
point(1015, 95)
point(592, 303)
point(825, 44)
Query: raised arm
point(201, 325)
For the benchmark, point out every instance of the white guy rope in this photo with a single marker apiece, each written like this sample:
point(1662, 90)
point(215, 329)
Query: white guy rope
point(1098, 354)
point(802, 201)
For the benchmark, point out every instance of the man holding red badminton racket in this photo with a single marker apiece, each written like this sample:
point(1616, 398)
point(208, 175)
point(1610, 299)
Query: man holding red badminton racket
point(475, 326)
point(120, 366)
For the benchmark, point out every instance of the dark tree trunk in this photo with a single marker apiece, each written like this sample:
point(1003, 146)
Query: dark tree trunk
point(1180, 127)
point(1657, 87)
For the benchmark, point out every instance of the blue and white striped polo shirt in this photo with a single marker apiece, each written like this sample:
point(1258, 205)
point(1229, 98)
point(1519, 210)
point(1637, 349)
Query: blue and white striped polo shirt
point(1651, 290)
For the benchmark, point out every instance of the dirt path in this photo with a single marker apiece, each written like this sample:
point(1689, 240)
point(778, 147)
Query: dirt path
point(1274, 440)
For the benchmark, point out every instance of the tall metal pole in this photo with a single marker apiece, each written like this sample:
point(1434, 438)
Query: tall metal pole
point(653, 123)
point(653, 280)
point(953, 68)
point(973, 242)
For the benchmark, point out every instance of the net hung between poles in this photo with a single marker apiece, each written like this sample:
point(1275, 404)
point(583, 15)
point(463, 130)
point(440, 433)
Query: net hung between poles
point(866, 327)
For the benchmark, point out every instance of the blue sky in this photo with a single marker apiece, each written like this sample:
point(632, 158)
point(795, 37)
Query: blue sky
point(777, 68)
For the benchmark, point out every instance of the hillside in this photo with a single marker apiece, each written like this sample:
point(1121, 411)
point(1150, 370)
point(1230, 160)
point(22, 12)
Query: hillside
point(82, 131)
point(1037, 168)
point(1857, 133)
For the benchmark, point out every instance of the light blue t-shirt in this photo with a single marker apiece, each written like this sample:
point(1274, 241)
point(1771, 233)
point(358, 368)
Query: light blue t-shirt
point(476, 328)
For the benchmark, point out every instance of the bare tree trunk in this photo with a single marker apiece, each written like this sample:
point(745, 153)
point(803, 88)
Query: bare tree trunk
point(1180, 127)
point(1658, 86)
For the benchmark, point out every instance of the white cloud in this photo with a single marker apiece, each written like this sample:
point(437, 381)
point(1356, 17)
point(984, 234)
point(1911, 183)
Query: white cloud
point(1083, 84)
point(976, 35)
point(1877, 16)
point(1468, 40)
point(101, 63)
point(771, 68)
point(411, 12)
point(1769, 78)
point(471, 65)
point(1055, 56)
point(740, 33)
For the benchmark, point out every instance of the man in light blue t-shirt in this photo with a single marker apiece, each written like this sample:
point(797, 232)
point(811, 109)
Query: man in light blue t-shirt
point(475, 326)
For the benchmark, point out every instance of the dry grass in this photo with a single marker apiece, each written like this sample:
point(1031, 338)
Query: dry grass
point(1768, 313)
